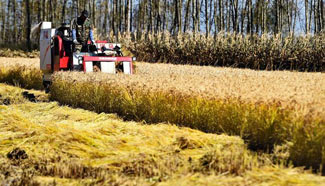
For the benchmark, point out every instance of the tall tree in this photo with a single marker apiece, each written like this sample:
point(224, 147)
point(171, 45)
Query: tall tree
point(14, 5)
point(28, 27)
point(63, 11)
point(127, 16)
point(43, 9)
point(38, 10)
point(206, 19)
point(187, 11)
point(8, 23)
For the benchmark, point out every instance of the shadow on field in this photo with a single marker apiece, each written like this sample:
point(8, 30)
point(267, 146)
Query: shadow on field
point(31, 97)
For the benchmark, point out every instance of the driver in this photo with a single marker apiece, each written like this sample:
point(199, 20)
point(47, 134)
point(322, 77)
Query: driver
point(82, 30)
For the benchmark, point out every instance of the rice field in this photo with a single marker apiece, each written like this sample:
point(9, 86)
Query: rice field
point(302, 91)
point(43, 143)
point(266, 109)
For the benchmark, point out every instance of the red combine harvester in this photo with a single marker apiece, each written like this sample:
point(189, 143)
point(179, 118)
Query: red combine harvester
point(58, 53)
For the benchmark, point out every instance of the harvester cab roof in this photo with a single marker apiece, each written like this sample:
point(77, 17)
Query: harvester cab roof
point(59, 53)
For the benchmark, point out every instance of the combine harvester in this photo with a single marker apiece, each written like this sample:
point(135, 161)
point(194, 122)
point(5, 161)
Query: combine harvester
point(57, 53)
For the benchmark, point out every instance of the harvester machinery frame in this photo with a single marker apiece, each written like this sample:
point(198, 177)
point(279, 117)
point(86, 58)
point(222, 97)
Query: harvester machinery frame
point(58, 53)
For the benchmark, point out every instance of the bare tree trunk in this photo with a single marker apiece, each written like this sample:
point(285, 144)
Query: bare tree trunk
point(319, 15)
point(158, 17)
point(180, 7)
point(104, 31)
point(63, 10)
point(28, 27)
point(51, 12)
point(127, 16)
point(265, 17)
point(310, 14)
point(276, 24)
point(322, 14)
point(206, 19)
point(187, 10)
point(295, 18)
point(315, 17)
point(114, 20)
point(227, 17)
point(250, 10)
point(94, 13)
point(216, 21)
point(55, 16)
point(306, 17)
point(131, 15)
point(164, 16)
point(221, 12)
point(248, 17)
point(142, 16)
point(241, 17)
point(120, 15)
point(280, 16)
point(38, 10)
point(43, 9)
point(150, 16)
point(234, 14)
point(257, 16)
point(193, 15)
point(138, 20)
point(198, 13)
point(14, 21)
point(176, 18)
point(3, 18)
point(8, 21)
point(211, 15)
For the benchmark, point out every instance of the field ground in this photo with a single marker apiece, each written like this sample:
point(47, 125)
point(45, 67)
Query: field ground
point(60, 145)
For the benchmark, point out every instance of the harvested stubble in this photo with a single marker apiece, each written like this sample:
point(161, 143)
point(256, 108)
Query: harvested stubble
point(266, 52)
point(68, 146)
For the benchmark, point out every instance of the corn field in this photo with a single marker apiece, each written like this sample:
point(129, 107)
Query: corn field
point(266, 52)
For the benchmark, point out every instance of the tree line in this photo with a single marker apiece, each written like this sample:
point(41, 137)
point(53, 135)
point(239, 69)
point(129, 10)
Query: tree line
point(175, 16)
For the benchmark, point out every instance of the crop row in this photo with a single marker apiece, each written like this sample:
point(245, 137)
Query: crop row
point(261, 125)
point(266, 52)
point(61, 145)
point(155, 98)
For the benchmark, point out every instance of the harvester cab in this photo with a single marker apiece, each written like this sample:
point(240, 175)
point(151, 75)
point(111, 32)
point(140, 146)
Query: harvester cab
point(58, 53)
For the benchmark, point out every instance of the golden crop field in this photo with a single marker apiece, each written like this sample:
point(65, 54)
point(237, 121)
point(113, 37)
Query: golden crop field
point(305, 92)
point(44, 143)
point(266, 109)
